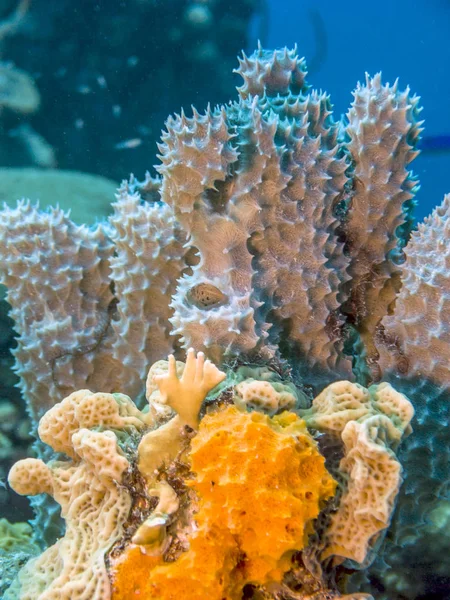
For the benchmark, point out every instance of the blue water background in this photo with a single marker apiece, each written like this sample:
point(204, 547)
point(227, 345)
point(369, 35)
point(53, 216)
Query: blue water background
point(408, 40)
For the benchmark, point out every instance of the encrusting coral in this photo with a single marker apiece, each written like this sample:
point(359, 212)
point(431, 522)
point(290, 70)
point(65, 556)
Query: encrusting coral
point(276, 235)
point(214, 499)
point(93, 503)
point(370, 423)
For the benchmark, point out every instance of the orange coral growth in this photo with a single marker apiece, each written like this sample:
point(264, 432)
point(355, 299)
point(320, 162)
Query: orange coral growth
point(260, 482)
point(131, 574)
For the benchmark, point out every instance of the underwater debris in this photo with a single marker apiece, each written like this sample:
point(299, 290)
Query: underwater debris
point(18, 91)
point(128, 144)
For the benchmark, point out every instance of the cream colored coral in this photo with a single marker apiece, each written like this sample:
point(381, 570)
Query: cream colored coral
point(93, 502)
point(184, 395)
point(31, 476)
point(371, 423)
point(86, 409)
point(159, 447)
point(152, 534)
point(269, 397)
point(343, 401)
point(158, 409)
point(373, 476)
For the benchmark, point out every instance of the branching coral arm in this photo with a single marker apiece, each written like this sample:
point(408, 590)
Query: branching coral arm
point(187, 393)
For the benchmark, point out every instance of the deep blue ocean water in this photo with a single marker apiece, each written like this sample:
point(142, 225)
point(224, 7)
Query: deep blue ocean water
point(408, 40)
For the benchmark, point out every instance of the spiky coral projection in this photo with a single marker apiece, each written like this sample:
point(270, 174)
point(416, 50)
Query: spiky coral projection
point(269, 197)
point(414, 346)
point(57, 274)
point(382, 133)
point(278, 266)
point(149, 256)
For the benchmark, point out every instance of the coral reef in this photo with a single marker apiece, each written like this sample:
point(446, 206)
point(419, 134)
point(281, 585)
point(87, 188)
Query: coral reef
point(278, 237)
point(246, 184)
point(214, 499)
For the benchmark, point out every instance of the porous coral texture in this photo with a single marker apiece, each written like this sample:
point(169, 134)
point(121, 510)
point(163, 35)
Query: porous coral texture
point(93, 502)
point(269, 397)
point(372, 476)
point(260, 483)
point(370, 423)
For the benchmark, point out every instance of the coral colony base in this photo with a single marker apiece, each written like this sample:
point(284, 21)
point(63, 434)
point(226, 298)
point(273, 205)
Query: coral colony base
point(211, 501)
point(276, 256)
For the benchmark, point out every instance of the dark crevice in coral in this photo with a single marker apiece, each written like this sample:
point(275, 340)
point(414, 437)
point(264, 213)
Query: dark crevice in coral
point(297, 584)
point(99, 335)
point(393, 346)
point(217, 198)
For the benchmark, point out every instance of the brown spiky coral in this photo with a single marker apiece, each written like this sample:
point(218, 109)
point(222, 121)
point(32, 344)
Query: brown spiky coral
point(65, 336)
point(149, 255)
point(382, 134)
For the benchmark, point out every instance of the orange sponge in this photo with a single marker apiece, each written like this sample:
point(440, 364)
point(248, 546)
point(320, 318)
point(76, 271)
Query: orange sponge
point(260, 483)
